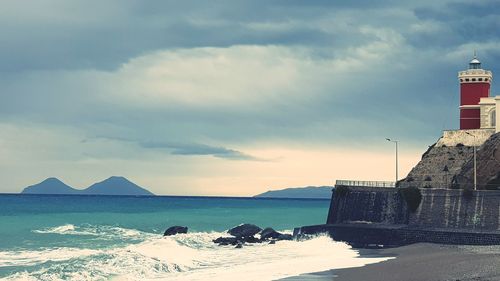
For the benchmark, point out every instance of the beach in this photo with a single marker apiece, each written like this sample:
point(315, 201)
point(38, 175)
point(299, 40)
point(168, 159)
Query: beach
point(417, 262)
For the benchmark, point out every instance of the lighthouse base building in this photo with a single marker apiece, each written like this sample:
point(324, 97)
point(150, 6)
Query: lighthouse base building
point(488, 117)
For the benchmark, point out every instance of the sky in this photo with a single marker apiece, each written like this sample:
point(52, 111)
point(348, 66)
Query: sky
point(227, 97)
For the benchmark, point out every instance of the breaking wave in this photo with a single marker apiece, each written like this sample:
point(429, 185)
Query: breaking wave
point(190, 256)
point(100, 231)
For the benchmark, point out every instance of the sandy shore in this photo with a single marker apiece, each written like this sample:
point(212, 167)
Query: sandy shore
point(421, 262)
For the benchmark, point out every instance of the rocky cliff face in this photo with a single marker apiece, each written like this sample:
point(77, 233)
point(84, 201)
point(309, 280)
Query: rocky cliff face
point(488, 167)
point(444, 166)
point(438, 166)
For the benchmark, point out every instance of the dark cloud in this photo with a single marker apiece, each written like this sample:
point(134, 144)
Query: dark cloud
point(416, 83)
point(74, 39)
point(187, 149)
point(459, 23)
point(200, 149)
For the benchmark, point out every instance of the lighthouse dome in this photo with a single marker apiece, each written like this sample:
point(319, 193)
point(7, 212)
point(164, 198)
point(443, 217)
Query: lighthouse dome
point(475, 63)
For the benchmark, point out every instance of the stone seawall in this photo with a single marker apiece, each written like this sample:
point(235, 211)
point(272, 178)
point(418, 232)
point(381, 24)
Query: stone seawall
point(442, 208)
point(367, 215)
point(368, 204)
point(364, 235)
point(439, 208)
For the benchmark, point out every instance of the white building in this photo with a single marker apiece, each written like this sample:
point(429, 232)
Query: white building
point(488, 108)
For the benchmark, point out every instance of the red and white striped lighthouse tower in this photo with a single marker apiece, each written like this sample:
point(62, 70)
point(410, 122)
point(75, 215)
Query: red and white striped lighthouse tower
point(474, 85)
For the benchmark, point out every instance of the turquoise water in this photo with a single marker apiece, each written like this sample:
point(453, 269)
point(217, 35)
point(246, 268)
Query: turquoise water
point(23, 216)
point(53, 237)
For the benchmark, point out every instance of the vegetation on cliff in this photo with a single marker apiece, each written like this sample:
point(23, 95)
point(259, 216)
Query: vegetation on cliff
point(412, 196)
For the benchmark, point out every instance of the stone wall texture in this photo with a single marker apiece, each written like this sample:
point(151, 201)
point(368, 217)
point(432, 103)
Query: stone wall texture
point(439, 208)
point(367, 215)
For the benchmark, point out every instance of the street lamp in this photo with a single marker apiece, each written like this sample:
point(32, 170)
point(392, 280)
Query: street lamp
point(395, 142)
point(475, 164)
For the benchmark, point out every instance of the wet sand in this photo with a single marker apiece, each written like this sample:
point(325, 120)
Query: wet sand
point(421, 262)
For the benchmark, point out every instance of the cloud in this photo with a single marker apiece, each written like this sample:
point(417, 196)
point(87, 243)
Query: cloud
point(220, 152)
point(190, 79)
point(201, 149)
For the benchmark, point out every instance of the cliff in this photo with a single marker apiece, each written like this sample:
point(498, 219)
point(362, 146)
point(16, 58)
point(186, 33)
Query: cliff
point(488, 167)
point(438, 166)
point(445, 166)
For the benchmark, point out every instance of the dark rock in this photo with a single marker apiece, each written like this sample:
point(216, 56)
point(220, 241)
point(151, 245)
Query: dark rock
point(251, 239)
point(269, 233)
point(244, 230)
point(285, 237)
point(175, 230)
point(239, 246)
point(223, 241)
point(272, 242)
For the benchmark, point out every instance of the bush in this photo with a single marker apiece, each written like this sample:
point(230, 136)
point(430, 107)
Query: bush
point(459, 145)
point(341, 190)
point(412, 196)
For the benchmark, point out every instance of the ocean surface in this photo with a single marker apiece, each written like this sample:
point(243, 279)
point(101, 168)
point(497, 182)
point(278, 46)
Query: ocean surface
point(60, 237)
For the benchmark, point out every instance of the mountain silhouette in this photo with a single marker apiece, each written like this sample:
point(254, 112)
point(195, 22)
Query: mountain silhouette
point(110, 186)
point(50, 186)
point(116, 186)
point(319, 192)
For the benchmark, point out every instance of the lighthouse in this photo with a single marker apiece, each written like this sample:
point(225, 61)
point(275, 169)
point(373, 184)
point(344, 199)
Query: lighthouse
point(474, 84)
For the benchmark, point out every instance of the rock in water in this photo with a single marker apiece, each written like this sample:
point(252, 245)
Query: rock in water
point(269, 233)
point(239, 246)
point(285, 237)
point(244, 230)
point(224, 241)
point(175, 230)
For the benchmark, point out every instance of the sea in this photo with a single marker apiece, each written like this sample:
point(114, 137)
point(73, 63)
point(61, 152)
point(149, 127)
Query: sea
point(69, 237)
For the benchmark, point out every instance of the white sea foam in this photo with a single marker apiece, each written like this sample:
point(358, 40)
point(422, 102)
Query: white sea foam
point(191, 256)
point(103, 232)
point(27, 258)
point(63, 229)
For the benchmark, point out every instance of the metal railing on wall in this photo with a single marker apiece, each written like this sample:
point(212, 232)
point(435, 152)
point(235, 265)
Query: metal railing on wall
point(365, 183)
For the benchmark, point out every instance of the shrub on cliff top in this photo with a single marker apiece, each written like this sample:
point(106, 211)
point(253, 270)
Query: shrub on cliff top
point(412, 196)
point(341, 190)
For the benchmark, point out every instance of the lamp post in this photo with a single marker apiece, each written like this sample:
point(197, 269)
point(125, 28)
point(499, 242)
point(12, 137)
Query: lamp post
point(475, 164)
point(395, 142)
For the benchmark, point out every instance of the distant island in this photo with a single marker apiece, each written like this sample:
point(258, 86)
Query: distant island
point(308, 192)
point(111, 186)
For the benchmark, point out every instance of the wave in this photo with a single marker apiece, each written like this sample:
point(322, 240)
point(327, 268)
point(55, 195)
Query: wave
point(27, 257)
point(63, 229)
point(190, 256)
point(102, 231)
